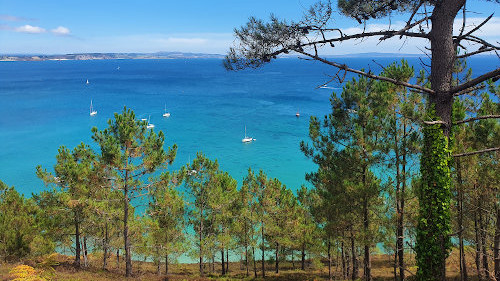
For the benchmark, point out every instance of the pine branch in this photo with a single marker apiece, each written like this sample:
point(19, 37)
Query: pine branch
point(476, 118)
point(366, 74)
point(492, 74)
point(479, 51)
point(477, 152)
point(472, 89)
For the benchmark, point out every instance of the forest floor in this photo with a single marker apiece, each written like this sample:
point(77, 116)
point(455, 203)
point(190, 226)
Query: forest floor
point(63, 270)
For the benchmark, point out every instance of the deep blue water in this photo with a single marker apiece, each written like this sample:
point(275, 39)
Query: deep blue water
point(46, 104)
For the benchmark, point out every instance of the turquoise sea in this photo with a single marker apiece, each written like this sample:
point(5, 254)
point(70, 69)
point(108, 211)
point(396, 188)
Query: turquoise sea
point(46, 104)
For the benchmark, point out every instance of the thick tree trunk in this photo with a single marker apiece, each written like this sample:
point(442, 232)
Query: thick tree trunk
point(434, 224)
point(77, 240)
point(496, 245)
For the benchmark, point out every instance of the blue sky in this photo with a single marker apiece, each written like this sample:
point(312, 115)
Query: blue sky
point(55, 27)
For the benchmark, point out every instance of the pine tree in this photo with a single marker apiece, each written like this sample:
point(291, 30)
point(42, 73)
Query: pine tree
point(131, 153)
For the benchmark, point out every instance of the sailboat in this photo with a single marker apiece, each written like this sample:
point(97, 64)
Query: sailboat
point(150, 126)
point(87, 82)
point(165, 113)
point(297, 114)
point(93, 112)
point(247, 139)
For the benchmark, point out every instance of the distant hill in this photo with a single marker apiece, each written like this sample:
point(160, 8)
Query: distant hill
point(105, 56)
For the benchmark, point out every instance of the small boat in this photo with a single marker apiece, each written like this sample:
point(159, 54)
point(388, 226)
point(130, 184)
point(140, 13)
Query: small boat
point(150, 126)
point(93, 112)
point(247, 139)
point(87, 82)
point(118, 68)
point(297, 114)
point(165, 113)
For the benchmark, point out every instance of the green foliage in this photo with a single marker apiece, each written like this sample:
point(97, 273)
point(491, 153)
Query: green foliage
point(434, 227)
point(17, 224)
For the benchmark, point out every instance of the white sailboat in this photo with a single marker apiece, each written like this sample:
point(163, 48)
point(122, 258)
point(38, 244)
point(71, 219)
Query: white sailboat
point(165, 113)
point(246, 138)
point(150, 126)
point(93, 112)
point(297, 114)
point(87, 82)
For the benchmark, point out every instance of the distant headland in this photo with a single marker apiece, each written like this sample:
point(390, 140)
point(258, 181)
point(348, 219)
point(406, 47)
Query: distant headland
point(106, 56)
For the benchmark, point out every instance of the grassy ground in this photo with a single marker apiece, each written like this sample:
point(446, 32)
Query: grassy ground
point(382, 269)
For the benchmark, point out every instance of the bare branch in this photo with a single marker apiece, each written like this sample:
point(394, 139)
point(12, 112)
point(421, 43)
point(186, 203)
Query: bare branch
point(477, 152)
point(476, 118)
point(434, 122)
point(366, 74)
point(475, 81)
point(474, 29)
point(406, 28)
point(480, 50)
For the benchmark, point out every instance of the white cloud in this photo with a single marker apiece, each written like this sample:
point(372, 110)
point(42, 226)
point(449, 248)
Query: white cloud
point(30, 29)
point(60, 30)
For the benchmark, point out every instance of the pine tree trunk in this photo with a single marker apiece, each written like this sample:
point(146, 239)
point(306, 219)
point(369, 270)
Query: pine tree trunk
point(117, 258)
point(254, 263)
point(496, 244)
point(263, 260)
point(276, 268)
point(434, 224)
point(246, 259)
point(85, 252)
point(482, 232)
point(342, 252)
point(303, 265)
point(401, 232)
point(293, 261)
point(366, 260)
point(126, 241)
point(329, 260)
point(166, 264)
point(77, 240)
point(398, 255)
point(460, 200)
point(355, 268)
point(200, 240)
point(158, 265)
point(222, 261)
point(478, 247)
point(105, 247)
point(227, 260)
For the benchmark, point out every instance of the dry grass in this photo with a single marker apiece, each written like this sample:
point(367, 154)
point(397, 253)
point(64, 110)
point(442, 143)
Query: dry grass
point(382, 269)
